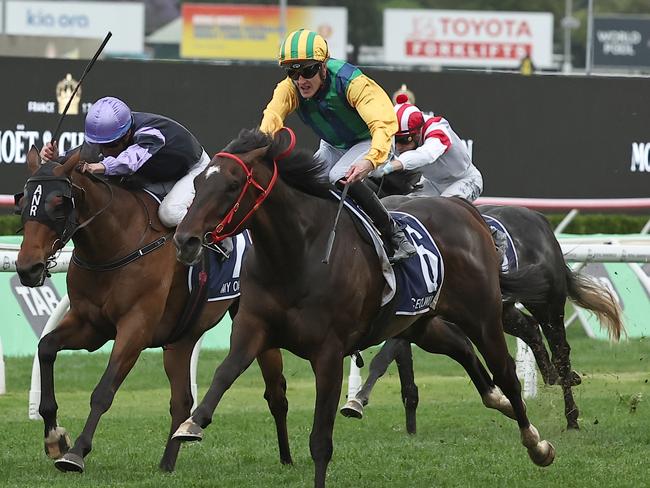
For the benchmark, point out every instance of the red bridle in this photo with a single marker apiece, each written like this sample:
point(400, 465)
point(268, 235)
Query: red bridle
point(216, 235)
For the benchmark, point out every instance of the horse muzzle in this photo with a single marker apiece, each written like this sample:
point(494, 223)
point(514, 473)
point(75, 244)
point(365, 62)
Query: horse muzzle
point(188, 248)
point(31, 275)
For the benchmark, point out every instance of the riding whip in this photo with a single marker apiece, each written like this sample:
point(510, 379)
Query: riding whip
point(330, 241)
point(55, 136)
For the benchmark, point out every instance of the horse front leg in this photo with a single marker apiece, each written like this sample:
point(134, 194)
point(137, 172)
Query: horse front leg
point(70, 334)
point(353, 408)
point(129, 342)
point(328, 369)
point(247, 341)
point(270, 362)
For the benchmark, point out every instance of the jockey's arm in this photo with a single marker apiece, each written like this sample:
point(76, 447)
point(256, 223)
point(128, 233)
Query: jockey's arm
point(146, 142)
point(376, 109)
point(284, 101)
point(427, 153)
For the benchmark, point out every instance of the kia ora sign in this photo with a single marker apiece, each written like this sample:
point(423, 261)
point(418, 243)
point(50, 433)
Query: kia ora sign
point(467, 38)
point(80, 19)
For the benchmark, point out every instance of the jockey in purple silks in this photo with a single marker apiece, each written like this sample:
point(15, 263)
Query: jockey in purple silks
point(160, 151)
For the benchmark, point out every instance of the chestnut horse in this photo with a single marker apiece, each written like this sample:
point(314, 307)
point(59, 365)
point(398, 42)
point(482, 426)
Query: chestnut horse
point(536, 244)
point(323, 312)
point(124, 283)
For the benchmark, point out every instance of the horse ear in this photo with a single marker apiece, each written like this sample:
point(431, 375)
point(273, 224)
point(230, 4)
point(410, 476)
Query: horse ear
point(258, 153)
point(33, 159)
point(284, 141)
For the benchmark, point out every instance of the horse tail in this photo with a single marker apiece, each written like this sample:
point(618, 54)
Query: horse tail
point(588, 293)
point(525, 284)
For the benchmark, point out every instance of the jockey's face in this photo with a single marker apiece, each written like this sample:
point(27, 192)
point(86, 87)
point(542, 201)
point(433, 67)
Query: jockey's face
point(114, 148)
point(308, 87)
point(408, 143)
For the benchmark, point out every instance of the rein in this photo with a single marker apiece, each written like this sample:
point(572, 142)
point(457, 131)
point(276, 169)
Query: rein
point(216, 236)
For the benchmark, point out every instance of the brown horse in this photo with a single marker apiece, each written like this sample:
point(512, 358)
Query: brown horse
point(124, 283)
point(536, 245)
point(323, 312)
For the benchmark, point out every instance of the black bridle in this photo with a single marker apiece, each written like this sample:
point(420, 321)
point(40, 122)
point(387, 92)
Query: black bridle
point(61, 218)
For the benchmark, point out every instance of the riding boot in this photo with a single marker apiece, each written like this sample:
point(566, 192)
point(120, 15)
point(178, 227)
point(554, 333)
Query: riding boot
point(500, 242)
point(393, 235)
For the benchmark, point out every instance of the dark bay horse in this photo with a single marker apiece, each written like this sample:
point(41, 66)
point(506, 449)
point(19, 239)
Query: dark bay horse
point(536, 245)
point(323, 312)
point(116, 294)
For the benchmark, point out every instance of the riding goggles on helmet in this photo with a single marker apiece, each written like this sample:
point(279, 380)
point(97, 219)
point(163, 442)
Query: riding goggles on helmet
point(295, 71)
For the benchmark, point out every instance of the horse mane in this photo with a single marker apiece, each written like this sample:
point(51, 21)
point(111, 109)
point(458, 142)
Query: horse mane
point(299, 169)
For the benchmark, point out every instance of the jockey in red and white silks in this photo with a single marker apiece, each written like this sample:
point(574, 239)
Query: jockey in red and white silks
point(428, 143)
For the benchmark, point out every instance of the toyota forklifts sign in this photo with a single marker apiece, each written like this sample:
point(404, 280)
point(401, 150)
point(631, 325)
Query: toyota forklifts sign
point(467, 37)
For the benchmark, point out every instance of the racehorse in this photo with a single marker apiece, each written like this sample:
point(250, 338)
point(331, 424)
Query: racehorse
point(536, 244)
point(323, 312)
point(124, 283)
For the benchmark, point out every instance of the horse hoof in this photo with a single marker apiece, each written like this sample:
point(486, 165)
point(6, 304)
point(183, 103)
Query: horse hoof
point(188, 431)
point(352, 409)
point(573, 379)
point(70, 463)
point(57, 443)
point(543, 454)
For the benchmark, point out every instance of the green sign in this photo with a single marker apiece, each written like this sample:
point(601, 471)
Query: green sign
point(25, 311)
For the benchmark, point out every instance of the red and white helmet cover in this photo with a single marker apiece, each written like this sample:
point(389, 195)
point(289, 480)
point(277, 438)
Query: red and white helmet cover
point(409, 117)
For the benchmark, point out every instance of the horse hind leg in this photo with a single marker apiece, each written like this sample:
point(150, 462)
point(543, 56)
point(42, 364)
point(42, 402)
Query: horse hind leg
point(491, 343)
point(555, 333)
point(525, 327)
point(353, 408)
point(442, 337)
point(275, 393)
point(74, 335)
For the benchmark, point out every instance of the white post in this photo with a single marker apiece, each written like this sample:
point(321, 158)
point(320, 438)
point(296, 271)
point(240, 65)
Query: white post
point(35, 388)
point(194, 363)
point(3, 385)
point(526, 369)
point(354, 379)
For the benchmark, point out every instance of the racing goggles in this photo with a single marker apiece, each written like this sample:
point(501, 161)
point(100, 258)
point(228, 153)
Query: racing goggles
point(404, 138)
point(294, 72)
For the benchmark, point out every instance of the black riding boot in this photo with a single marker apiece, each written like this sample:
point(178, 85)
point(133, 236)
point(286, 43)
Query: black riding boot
point(368, 201)
point(500, 242)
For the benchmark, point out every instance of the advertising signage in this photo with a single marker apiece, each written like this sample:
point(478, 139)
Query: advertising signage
point(467, 38)
point(88, 20)
point(622, 41)
point(252, 32)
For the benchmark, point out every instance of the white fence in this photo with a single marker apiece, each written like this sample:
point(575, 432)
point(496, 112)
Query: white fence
point(573, 251)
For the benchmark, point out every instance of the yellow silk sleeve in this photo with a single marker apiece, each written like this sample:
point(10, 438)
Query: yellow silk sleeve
point(283, 102)
point(376, 109)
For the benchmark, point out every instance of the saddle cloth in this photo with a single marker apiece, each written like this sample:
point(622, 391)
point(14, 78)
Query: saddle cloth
point(223, 278)
point(510, 260)
point(418, 279)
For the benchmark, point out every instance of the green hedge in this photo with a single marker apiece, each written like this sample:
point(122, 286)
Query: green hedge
point(581, 224)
